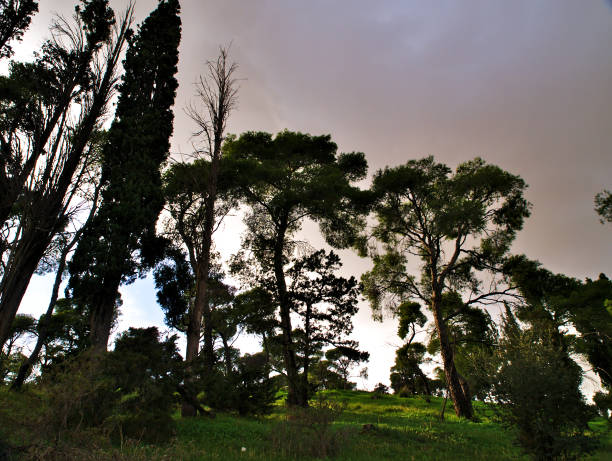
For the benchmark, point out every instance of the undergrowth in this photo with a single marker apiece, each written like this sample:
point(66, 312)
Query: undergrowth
point(345, 426)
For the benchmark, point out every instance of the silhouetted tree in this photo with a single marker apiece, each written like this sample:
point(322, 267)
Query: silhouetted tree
point(557, 303)
point(406, 370)
point(47, 125)
point(15, 17)
point(217, 92)
point(11, 353)
point(537, 388)
point(121, 240)
point(285, 180)
point(325, 304)
point(43, 326)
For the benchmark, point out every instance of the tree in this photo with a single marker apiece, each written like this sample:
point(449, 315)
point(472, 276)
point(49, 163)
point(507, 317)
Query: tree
point(193, 195)
point(121, 240)
point(44, 329)
point(146, 371)
point(591, 315)
point(186, 189)
point(47, 125)
point(285, 180)
point(459, 225)
point(325, 304)
point(406, 373)
point(11, 352)
point(406, 370)
point(218, 94)
point(342, 359)
point(603, 205)
point(560, 303)
point(15, 17)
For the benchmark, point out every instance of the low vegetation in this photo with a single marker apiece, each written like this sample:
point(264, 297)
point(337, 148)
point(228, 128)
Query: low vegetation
point(340, 425)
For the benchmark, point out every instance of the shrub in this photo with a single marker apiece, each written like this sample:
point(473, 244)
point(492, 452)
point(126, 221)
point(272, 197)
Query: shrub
point(124, 393)
point(146, 373)
point(309, 431)
point(381, 389)
point(248, 389)
point(537, 387)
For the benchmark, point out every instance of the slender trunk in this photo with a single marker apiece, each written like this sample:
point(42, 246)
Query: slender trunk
point(43, 324)
point(227, 356)
point(305, 386)
point(444, 405)
point(201, 306)
point(294, 397)
point(459, 392)
point(264, 343)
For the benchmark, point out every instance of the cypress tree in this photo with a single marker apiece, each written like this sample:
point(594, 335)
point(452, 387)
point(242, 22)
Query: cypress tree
point(121, 238)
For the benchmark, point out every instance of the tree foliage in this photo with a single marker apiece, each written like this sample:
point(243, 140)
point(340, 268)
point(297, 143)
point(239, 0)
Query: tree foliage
point(603, 205)
point(285, 180)
point(537, 388)
point(121, 240)
point(459, 226)
point(15, 17)
point(50, 114)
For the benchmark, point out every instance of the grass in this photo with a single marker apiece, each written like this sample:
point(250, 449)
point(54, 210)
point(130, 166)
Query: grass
point(403, 429)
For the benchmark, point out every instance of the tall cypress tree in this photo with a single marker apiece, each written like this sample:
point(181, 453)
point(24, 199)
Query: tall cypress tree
point(120, 239)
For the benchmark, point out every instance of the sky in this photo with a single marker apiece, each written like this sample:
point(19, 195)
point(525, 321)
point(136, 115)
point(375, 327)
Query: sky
point(526, 85)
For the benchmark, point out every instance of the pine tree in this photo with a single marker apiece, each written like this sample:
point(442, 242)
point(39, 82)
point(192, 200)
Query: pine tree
point(121, 239)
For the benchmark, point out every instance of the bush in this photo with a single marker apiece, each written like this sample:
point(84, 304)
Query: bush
point(537, 387)
point(248, 390)
point(146, 373)
point(309, 431)
point(128, 392)
point(603, 402)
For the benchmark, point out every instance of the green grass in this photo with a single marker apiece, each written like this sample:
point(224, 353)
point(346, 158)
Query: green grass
point(405, 429)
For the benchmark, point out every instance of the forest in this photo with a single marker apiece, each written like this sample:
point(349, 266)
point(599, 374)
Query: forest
point(91, 196)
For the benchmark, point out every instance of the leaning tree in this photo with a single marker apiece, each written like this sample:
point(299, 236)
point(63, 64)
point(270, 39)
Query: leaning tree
point(51, 112)
point(460, 226)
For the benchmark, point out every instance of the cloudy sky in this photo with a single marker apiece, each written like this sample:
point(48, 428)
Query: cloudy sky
point(526, 85)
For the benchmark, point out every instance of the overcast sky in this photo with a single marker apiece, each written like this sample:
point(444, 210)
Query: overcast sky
point(526, 85)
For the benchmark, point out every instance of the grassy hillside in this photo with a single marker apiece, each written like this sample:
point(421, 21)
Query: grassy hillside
point(402, 429)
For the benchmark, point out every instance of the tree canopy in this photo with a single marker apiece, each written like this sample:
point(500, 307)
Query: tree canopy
point(459, 225)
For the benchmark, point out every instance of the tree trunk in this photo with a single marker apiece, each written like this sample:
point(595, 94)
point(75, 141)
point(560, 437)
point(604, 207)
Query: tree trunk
point(294, 396)
point(459, 391)
point(305, 386)
point(102, 313)
point(43, 324)
point(226, 353)
point(201, 308)
point(15, 280)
